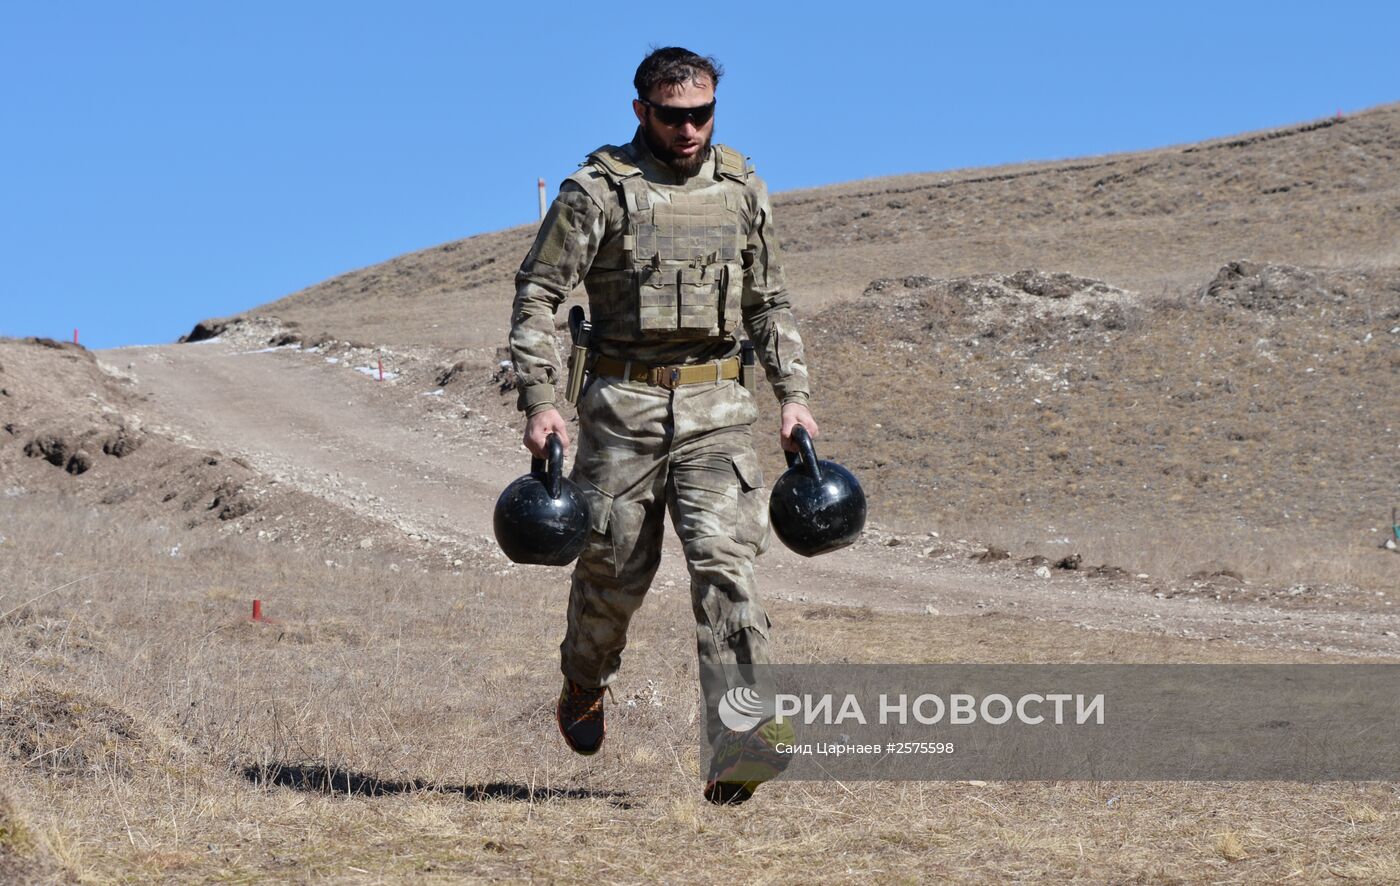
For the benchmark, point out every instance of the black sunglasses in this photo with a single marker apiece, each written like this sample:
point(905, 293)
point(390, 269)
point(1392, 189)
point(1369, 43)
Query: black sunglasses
point(673, 116)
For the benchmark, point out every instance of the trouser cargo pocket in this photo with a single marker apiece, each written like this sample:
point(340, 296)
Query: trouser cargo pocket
point(598, 555)
point(751, 517)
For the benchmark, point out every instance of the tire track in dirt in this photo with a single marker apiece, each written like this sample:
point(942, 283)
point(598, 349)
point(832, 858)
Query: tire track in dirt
point(303, 422)
point(327, 432)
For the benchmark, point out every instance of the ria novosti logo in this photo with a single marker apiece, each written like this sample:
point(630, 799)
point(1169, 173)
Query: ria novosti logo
point(742, 708)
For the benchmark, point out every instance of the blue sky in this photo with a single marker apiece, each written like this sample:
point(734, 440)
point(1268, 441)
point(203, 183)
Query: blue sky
point(165, 162)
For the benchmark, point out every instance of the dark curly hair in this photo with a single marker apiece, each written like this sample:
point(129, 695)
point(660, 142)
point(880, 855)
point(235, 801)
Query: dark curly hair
point(672, 66)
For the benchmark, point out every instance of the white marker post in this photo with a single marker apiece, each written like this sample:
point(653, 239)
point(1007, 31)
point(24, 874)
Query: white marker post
point(541, 199)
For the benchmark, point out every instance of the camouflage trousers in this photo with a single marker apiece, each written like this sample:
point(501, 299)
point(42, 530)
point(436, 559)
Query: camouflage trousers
point(642, 451)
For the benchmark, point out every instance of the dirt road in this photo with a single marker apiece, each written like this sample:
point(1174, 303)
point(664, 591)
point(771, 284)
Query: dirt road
point(381, 450)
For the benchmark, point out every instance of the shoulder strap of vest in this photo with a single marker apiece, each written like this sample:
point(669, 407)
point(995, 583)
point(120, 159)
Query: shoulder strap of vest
point(616, 165)
point(614, 162)
point(729, 163)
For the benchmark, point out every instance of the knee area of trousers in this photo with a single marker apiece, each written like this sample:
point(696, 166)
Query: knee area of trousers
point(710, 547)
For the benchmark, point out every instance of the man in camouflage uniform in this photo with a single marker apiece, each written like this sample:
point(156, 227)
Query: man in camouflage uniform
point(673, 240)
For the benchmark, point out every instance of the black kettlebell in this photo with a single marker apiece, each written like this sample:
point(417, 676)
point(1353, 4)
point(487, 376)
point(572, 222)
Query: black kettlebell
point(542, 518)
point(816, 506)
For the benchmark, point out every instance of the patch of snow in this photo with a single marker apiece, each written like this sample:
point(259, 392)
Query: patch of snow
point(436, 393)
point(269, 350)
point(373, 372)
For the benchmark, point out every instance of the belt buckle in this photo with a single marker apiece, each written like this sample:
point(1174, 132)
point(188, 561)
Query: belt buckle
point(668, 377)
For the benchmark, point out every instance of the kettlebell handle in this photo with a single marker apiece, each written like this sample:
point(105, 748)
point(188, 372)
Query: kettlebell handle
point(554, 472)
point(806, 453)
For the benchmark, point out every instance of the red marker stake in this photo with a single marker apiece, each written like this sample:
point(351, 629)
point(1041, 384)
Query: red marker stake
point(381, 368)
point(75, 335)
point(257, 610)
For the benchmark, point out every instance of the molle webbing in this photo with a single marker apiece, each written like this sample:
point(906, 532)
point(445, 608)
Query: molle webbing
point(682, 245)
point(730, 163)
point(614, 161)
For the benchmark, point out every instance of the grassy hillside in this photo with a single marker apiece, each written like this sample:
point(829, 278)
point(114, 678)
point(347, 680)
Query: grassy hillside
point(1320, 193)
point(1251, 424)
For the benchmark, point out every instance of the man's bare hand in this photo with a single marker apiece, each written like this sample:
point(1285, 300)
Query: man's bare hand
point(795, 414)
point(539, 426)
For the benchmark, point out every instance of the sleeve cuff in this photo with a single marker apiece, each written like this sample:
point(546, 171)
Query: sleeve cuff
point(536, 398)
point(801, 398)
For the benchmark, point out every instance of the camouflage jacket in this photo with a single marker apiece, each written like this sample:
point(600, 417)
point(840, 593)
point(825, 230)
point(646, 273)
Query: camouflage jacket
point(583, 235)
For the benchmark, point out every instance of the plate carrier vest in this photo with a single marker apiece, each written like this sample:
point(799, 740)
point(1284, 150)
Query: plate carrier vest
point(683, 250)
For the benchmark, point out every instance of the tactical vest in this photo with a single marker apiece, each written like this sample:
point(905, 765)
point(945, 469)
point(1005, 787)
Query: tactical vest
point(683, 250)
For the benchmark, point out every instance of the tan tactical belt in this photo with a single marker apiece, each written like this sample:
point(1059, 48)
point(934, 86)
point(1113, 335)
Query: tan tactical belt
point(670, 377)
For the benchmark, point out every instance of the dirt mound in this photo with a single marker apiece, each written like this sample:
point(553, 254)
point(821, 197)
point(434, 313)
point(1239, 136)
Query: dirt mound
point(454, 368)
point(207, 329)
point(1042, 400)
point(56, 732)
point(122, 443)
point(462, 364)
point(73, 450)
point(59, 451)
point(62, 407)
point(1334, 295)
point(994, 287)
point(1029, 305)
point(75, 425)
point(54, 344)
point(1278, 289)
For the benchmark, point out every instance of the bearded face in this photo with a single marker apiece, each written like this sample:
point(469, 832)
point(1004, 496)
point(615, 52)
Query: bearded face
point(683, 164)
point(683, 146)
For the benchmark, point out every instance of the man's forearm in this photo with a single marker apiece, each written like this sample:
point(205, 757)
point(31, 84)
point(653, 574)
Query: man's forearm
point(778, 346)
point(564, 247)
point(533, 348)
point(768, 315)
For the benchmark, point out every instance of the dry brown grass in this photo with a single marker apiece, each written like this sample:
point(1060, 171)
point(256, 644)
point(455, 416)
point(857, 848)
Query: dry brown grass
point(398, 726)
point(1163, 436)
point(26, 855)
